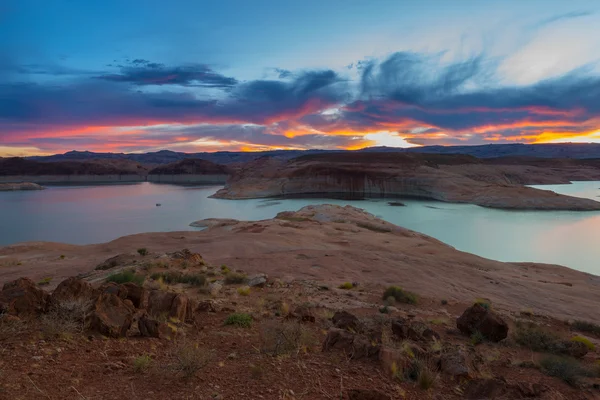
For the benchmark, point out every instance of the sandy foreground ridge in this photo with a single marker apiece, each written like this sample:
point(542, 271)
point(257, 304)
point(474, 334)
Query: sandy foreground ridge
point(292, 308)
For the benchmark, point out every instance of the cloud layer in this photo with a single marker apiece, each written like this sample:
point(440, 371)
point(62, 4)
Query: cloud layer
point(418, 97)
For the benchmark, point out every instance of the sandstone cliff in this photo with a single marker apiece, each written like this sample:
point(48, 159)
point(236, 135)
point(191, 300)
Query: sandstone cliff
point(452, 178)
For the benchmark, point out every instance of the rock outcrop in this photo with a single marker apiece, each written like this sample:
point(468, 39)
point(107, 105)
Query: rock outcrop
point(111, 316)
point(478, 318)
point(449, 178)
point(23, 298)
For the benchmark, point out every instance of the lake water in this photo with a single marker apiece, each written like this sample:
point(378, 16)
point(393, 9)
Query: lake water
point(93, 214)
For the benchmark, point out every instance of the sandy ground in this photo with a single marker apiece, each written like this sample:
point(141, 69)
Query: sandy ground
point(337, 244)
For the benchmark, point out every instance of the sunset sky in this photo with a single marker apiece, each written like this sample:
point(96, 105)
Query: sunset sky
point(191, 75)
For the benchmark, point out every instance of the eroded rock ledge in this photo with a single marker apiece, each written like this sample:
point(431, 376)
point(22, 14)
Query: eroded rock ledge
point(444, 178)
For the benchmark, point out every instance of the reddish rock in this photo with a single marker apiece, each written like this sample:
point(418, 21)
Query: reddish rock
point(171, 304)
point(150, 327)
point(478, 318)
point(114, 288)
point(418, 331)
point(191, 306)
point(483, 389)
point(111, 316)
point(355, 346)
point(207, 306)
point(74, 289)
point(259, 280)
point(345, 320)
point(453, 362)
point(365, 394)
point(137, 294)
point(303, 313)
point(23, 298)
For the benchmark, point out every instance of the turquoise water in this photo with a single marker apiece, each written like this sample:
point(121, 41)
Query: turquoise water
point(93, 214)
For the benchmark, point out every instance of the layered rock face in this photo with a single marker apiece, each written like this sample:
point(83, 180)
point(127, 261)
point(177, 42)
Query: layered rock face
point(457, 179)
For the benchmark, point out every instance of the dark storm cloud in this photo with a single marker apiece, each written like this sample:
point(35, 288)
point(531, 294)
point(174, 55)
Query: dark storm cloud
point(108, 103)
point(144, 72)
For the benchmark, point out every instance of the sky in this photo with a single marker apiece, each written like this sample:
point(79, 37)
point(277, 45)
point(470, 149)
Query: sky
point(238, 75)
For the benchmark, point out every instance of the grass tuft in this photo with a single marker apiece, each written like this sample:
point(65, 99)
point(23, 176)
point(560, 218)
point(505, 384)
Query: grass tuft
point(176, 277)
point(566, 368)
point(535, 338)
point(243, 291)
point(143, 251)
point(235, 278)
point(142, 363)
point(278, 338)
point(346, 285)
point(239, 319)
point(126, 276)
point(401, 295)
point(189, 358)
point(477, 338)
point(45, 281)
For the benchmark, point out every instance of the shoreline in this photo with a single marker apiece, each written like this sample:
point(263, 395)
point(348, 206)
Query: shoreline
point(315, 244)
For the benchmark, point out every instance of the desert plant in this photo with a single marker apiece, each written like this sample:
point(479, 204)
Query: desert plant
point(279, 338)
point(477, 338)
point(128, 275)
point(189, 358)
point(585, 326)
point(142, 363)
point(45, 281)
point(243, 291)
point(566, 368)
point(384, 309)
point(64, 319)
point(142, 251)
point(239, 319)
point(346, 285)
point(225, 269)
point(11, 327)
point(585, 341)
point(401, 295)
point(535, 338)
point(426, 377)
point(484, 303)
point(176, 277)
point(235, 278)
point(62, 256)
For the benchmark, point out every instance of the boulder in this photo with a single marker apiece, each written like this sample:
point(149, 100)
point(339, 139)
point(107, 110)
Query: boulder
point(74, 289)
point(418, 331)
point(303, 313)
point(137, 294)
point(259, 280)
point(23, 298)
point(453, 362)
point(345, 320)
point(150, 327)
point(366, 394)
point(170, 304)
point(111, 316)
point(191, 307)
point(117, 261)
point(479, 318)
point(355, 346)
point(214, 288)
point(207, 306)
point(114, 288)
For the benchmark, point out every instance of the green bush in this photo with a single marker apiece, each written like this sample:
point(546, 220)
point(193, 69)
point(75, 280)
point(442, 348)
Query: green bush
point(401, 295)
point(142, 363)
point(346, 285)
point(143, 251)
point(177, 277)
point(477, 338)
point(585, 326)
point(235, 278)
point(239, 319)
point(483, 303)
point(566, 368)
point(535, 338)
point(45, 281)
point(126, 276)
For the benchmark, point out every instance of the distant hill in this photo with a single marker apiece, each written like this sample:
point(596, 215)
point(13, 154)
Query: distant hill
point(20, 166)
point(551, 150)
point(191, 166)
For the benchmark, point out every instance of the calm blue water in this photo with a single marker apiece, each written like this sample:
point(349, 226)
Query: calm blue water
point(93, 214)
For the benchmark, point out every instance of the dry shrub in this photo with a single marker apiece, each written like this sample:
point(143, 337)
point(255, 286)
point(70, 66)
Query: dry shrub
point(189, 358)
point(279, 338)
point(65, 319)
point(11, 327)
